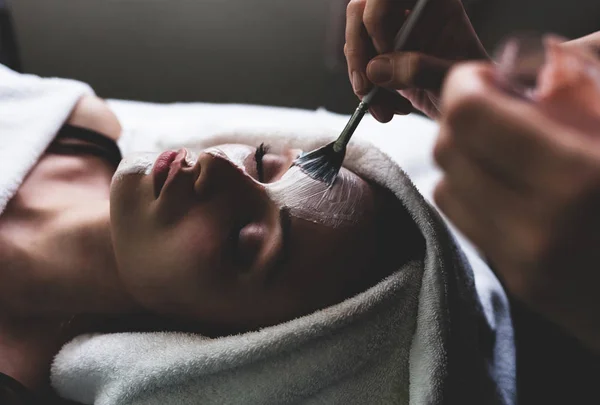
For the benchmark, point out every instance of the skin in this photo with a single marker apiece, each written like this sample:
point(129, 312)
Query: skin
point(527, 192)
point(157, 259)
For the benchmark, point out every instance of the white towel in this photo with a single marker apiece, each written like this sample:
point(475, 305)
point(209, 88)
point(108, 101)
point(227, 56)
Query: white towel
point(425, 335)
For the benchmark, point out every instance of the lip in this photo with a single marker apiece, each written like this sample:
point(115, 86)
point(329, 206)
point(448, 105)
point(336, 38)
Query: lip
point(164, 168)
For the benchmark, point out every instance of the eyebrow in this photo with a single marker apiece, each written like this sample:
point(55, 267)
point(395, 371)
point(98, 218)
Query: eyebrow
point(282, 260)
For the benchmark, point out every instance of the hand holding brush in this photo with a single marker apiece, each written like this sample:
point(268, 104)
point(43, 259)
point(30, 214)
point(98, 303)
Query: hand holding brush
point(323, 164)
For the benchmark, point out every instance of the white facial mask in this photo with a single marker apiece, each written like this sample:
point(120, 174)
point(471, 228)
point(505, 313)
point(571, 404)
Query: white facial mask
point(313, 200)
point(341, 205)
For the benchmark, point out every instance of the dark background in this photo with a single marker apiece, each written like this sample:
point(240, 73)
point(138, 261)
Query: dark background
point(274, 52)
point(8, 44)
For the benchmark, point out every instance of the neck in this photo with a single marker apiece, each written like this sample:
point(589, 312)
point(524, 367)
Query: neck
point(65, 261)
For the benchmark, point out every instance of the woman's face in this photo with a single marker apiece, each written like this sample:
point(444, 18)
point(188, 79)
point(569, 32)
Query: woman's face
point(236, 237)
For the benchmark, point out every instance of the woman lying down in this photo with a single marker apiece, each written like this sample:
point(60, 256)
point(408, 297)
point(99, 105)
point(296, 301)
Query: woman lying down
point(286, 290)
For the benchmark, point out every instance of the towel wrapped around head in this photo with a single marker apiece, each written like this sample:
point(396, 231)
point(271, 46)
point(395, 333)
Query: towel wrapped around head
point(417, 337)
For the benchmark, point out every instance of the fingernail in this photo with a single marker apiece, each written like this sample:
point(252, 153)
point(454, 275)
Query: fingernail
point(357, 82)
point(380, 70)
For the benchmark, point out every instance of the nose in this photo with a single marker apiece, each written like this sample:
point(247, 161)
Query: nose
point(220, 176)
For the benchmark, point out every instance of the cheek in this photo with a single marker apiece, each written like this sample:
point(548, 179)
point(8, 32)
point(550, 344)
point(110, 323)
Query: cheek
point(325, 263)
point(172, 269)
point(167, 284)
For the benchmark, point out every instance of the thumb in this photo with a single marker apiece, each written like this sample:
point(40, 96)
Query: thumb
point(408, 70)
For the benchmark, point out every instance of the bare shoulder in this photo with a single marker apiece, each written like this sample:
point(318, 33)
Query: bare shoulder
point(93, 113)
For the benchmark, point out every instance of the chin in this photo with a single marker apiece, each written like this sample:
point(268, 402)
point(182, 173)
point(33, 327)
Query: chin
point(131, 174)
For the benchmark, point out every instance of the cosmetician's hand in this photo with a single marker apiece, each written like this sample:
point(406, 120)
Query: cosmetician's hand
point(442, 36)
point(524, 186)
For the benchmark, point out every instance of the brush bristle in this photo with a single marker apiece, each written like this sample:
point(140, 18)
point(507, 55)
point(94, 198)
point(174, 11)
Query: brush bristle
point(322, 164)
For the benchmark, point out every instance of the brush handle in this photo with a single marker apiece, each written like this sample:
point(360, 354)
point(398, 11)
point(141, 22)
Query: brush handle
point(340, 143)
point(399, 42)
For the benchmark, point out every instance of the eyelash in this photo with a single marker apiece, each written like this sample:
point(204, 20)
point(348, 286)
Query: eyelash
point(261, 151)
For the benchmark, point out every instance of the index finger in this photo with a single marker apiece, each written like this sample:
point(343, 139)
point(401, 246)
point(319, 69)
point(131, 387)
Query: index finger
point(358, 47)
point(383, 19)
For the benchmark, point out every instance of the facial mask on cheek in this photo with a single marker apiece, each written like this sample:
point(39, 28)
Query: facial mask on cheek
point(312, 200)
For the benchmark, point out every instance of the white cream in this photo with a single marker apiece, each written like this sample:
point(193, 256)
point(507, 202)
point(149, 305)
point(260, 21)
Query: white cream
point(312, 200)
point(342, 204)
